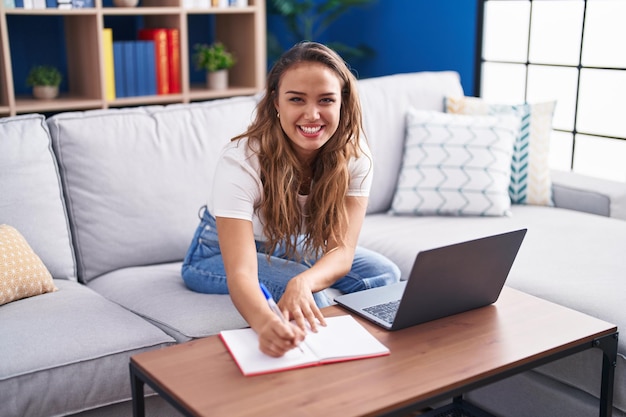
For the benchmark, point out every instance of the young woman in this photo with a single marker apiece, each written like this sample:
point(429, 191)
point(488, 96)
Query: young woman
point(288, 201)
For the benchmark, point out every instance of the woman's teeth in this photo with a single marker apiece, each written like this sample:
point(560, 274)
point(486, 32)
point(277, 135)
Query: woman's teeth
point(310, 130)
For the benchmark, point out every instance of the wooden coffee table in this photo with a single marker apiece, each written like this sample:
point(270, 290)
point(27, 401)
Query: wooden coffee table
point(428, 363)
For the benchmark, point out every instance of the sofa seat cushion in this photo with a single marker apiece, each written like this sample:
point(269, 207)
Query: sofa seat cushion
point(69, 351)
point(571, 258)
point(166, 302)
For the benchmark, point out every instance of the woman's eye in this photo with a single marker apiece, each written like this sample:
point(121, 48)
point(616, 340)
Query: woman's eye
point(295, 99)
point(327, 100)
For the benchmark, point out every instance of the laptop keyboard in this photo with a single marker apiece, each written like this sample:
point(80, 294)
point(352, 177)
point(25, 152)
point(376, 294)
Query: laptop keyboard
point(385, 311)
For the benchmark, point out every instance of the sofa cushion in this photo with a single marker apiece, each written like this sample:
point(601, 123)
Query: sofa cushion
point(530, 167)
point(31, 199)
point(455, 164)
point(69, 352)
point(167, 303)
point(134, 179)
point(22, 274)
point(385, 101)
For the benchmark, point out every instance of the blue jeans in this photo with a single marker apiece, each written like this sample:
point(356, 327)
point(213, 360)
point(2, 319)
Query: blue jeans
point(203, 267)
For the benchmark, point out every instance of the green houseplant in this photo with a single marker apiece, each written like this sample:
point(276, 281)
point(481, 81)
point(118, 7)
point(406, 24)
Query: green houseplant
point(216, 60)
point(45, 80)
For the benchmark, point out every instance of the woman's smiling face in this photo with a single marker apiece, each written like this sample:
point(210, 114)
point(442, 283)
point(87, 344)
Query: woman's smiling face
point(309, 102)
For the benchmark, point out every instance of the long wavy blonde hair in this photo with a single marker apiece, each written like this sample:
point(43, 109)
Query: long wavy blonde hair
point(326, 218)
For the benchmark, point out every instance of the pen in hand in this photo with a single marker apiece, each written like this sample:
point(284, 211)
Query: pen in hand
point(274, 307)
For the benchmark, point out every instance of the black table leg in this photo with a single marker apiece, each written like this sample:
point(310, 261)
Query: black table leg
point(608, 345)
point(136, 384)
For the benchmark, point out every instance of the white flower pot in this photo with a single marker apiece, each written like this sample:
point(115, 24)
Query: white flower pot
point(45, 92)
point(217, 80)
point(125, 3)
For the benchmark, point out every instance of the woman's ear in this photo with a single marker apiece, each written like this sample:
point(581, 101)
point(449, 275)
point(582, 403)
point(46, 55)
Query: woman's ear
point(276, 105)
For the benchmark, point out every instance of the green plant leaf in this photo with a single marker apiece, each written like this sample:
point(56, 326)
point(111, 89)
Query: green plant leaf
point(44, 75)
point(308, 20)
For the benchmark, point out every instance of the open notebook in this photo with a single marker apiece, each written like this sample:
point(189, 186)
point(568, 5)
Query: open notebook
point(343, 339)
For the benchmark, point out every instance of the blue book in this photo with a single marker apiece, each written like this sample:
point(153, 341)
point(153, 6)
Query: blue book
point(143, 68)
point(140, 65)
point(51, 4)
point(151, 74)
point(19, 3)
point(120, 70)
point(128, 50)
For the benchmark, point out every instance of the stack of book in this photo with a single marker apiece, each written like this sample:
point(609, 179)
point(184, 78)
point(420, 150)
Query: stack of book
point(147, 66)
point(48, 4)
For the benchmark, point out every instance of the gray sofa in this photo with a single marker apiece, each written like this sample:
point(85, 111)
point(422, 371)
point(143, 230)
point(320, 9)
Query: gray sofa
point(109, 201)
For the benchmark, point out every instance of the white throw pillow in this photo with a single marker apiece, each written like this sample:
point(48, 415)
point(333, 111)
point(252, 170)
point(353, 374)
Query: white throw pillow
point(530, 166)
point(456, 165)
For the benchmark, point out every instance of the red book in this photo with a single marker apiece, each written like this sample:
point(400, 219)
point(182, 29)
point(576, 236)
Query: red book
point(173, 48)
point(159, 36)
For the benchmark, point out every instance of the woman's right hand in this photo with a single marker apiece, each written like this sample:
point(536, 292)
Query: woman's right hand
point(277, 337)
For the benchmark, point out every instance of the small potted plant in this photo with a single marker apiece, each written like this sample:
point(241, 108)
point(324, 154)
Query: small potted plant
point(216, 61)
point(45, 80)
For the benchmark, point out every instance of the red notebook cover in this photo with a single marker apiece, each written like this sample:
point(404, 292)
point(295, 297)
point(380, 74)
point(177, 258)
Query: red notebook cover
point(159, 36)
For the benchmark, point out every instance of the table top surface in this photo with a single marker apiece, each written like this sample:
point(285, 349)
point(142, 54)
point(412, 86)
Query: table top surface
point(426, 361)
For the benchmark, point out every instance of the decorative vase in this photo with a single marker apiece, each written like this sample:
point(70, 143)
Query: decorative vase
point(125, 3)
point(45, 92)
point(217, 80)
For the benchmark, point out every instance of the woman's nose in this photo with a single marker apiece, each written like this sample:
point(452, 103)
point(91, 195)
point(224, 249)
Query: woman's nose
point(311, 112)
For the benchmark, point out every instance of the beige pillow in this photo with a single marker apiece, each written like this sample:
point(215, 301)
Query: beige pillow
point(22, 274)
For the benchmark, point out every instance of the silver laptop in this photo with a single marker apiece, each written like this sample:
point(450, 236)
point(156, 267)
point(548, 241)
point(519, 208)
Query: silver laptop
point(444, 281)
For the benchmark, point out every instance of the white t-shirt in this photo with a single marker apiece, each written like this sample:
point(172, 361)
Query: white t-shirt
point(237, 186)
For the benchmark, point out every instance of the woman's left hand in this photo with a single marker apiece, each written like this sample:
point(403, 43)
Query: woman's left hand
point(299, 304)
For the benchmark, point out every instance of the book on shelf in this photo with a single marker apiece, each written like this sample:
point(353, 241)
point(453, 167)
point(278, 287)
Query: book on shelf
point(82, 4)
point(343, 339)
point(145, 72)
point(151, 79)
point(130, 71)
point(159, 36)
point(119, 69)
point(173, 53)
point(9, 4)
point(109, 65)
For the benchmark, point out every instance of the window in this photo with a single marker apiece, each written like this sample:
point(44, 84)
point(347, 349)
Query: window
point(571, 51)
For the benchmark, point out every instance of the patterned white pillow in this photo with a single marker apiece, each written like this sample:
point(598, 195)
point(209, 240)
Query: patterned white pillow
point(456, 165)
point(530, 166)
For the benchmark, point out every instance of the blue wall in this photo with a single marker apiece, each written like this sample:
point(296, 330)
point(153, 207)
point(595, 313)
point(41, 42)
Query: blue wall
point(408, 36)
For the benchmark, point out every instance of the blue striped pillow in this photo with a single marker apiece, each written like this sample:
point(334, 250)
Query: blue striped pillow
point(530, 166)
